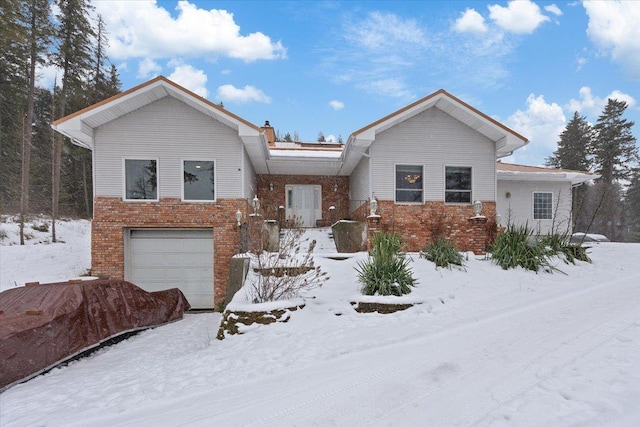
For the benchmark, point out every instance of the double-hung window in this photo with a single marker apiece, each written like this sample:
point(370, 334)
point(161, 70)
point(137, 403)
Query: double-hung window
point(199, 180)
point(542, 206)
point(457, 184)
point(409, 183)
point(140, 179)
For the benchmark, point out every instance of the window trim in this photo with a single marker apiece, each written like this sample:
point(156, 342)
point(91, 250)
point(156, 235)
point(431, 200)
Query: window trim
point(124, 179)
point(444, 183)
point(533, 206)
point(395, 188)
point(215, 179)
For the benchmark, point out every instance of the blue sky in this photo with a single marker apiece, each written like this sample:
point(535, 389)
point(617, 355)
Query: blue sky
point(338, 66)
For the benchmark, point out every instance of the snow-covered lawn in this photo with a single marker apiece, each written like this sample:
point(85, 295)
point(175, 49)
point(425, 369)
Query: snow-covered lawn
point(486, 347)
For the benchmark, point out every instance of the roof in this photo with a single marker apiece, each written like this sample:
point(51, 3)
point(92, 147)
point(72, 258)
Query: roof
point(515, 172)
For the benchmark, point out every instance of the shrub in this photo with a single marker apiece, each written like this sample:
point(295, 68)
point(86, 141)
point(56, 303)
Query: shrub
point(560, 244)
point(387, 271)
point(43, 228)
point(288, 273)
point(518, 247)
point(442, 253)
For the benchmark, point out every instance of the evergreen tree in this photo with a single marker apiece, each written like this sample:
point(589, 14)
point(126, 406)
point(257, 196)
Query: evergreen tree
point(573, 147)
point(13, 84)
point(632, 207)
point(74, 57)
point(614, 153)
point(573, 153)
point(287, 137)
point(38, 31)
point(614, 146)
point(321, 137)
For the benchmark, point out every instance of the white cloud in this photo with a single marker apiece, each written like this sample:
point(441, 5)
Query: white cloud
point(380, 30)
point(48, 75)
point(541, 122)
point(193, 79)
point(245, 94)
point(225, 72)
point(470, 22)
point(552, 8)
point(613, 28)
point(144, 29)
point(336, 105)
point(148, 67)
point(592, 105)
point(520, 16)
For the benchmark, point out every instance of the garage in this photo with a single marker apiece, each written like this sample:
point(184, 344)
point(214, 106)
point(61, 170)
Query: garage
point(173, 258)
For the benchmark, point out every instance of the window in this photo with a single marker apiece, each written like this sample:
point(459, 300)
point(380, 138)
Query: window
point(141, 181)
point(457, 184)
point(542, 206)
point(409, 183)
point(199, 180)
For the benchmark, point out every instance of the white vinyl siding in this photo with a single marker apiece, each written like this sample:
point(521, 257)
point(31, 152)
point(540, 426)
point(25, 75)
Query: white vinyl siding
point(515, 204)
point(169, 131)
point(434, 140)
point(359, 184)
point(250, 186)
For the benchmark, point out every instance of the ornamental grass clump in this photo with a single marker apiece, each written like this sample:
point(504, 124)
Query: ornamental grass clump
point(560, 244)
point(518, 247)
point(387, 270)
point(443, 253)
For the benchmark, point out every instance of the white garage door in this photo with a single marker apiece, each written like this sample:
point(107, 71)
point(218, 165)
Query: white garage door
point(163, 259)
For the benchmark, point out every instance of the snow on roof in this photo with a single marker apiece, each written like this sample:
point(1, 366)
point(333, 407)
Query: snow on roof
point(511, 171)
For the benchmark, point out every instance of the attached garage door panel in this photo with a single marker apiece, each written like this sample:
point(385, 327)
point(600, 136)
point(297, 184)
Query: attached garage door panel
point(163, 259)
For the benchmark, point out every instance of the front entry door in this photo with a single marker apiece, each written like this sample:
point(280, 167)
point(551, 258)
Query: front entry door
point(303, 204)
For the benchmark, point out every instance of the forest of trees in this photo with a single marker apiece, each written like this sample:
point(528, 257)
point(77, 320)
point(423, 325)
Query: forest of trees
point(42, 172)
point(610, 205)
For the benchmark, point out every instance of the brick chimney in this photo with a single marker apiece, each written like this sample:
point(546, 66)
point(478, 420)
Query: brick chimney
point(269, 133)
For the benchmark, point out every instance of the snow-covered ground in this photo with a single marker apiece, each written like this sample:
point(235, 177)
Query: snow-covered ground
point(486, 347)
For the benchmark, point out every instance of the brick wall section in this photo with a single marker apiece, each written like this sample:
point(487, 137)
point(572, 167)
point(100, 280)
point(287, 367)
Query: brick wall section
point(418, 224)
point(270, 200)
point(112, 216)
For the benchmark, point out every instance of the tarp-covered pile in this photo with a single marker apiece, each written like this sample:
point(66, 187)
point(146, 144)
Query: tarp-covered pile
point(42, 325)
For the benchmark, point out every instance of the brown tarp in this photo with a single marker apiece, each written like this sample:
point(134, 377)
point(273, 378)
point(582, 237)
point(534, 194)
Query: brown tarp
point(42, 325)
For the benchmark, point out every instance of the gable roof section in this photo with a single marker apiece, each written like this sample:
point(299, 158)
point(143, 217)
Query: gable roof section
point(506, 140)
point(80, 125)
point(514, 172)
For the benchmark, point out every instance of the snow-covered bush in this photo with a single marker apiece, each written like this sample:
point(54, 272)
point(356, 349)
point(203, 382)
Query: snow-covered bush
point(285, 274)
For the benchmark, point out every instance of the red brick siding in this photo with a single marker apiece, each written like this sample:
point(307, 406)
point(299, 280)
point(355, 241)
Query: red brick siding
point(112, 216)
point(270, 200)
point(419, 224)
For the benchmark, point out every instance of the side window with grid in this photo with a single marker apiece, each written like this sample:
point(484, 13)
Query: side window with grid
point(542, 206)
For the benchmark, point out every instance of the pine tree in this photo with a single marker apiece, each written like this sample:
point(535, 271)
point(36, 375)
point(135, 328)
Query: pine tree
point(614, 153)
point(573, 153)
point(287, 137)
point(13, 84)
point(320, 137)
point(38, 31)
point(614, 146)
point(573, 147)
point(73, 56)
point(632, 206)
